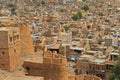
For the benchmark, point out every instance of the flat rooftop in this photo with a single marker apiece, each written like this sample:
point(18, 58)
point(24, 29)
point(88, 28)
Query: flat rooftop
point(90, 58)
point(8, 28)
point(77, 48)
point(55, 46)
point(36, 58)
point(114, 53)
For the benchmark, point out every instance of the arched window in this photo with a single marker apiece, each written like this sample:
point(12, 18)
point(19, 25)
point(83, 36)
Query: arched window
point(3, 53)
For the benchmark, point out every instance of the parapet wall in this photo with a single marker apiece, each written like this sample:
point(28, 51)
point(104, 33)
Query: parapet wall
point(55, 66)
point(53, 58)
point(55, 72)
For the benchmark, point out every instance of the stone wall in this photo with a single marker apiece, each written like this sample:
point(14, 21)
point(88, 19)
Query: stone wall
point(10, 54)
point(53, 67)
point(26, 40)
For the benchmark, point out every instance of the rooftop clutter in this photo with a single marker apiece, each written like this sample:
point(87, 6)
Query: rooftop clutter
point(44, 34)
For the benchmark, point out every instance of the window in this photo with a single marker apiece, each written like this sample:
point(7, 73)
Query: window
point(17, 36)
point(27, 69)
point(3, 53)
point(14, 50)
point(88, 27)
point(10, 39)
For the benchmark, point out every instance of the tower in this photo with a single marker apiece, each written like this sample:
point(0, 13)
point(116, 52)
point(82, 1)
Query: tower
point(10, 53)
point(51, 66)
point(54, 66)
point(26, 40)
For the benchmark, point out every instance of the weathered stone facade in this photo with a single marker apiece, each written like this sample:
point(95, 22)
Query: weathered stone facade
point(53, 67)
point(26, 40)
point(10, 53)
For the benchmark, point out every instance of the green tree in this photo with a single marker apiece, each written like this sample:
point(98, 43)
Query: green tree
point(115, 75)
point(83, 0)
point(77, 16)
point(112, 76)
point(101, 14)
point(11, 5)
point(13, 8)
point(63, 10)
point(85, 7)
point(66, 28)
point(43, 2)
point(38, 4)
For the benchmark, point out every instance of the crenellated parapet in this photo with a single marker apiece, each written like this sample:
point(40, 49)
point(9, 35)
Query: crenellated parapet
point(53, 58)
point(53, 66)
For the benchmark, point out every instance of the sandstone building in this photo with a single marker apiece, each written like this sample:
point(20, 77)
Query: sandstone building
point(10, 52)
point(26, 40)
point(15, 42)
point(83, 77)
point(51, 67)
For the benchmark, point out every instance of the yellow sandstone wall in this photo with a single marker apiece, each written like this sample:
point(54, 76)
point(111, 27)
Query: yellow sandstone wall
point(10, 54)
point(53, 67)
point(26, 40)
point(56, 69)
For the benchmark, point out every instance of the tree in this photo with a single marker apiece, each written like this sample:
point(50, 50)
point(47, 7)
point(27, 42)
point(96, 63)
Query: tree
point(101, 14)
point(13, 11)
point(43, 2)
point(66, 28)
point(83, 0)
point(77, 16)
point(112, 76)
point(115, 75)
point(63, 10)
point(85, 7)
point(12, 7)
point(38, 4)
